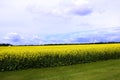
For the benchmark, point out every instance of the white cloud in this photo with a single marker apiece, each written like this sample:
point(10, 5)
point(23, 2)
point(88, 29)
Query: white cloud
point(80, 2)
point(81, 7)
point(13, 38)
point(74, 7)
point(36, 40)
point(113, 38)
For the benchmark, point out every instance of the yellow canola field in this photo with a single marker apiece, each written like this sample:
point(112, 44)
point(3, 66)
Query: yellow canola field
point(59, 49)
point(25, 57)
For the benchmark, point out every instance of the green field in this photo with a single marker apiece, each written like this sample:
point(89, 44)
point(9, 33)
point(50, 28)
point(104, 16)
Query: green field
point(103, 70)
point(25, 57)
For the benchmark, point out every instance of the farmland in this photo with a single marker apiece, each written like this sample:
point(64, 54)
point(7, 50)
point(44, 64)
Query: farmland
point(25, 57)
point(101, 70)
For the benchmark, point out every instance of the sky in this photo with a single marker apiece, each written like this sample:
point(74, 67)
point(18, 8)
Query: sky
point(25, 22)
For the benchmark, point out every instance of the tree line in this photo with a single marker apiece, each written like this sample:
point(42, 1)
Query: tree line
point(7, 44)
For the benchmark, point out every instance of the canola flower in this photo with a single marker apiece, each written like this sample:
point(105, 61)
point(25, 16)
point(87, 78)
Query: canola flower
point(24, 57)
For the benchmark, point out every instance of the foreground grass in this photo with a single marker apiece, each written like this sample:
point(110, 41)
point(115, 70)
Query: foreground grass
point(104, 70)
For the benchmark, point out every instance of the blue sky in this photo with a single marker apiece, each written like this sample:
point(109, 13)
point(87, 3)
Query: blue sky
point(59, 21)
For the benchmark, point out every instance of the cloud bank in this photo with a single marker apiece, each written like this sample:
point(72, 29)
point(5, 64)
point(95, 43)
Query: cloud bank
point(73, 7)
point(111, 35)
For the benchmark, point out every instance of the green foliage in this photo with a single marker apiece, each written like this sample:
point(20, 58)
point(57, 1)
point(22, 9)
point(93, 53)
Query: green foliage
point(101, 70)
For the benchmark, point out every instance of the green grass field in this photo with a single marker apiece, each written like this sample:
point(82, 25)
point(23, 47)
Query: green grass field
point(25, 57)
point(101, 70)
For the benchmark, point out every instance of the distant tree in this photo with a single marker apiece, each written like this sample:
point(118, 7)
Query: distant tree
point(5, 44)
